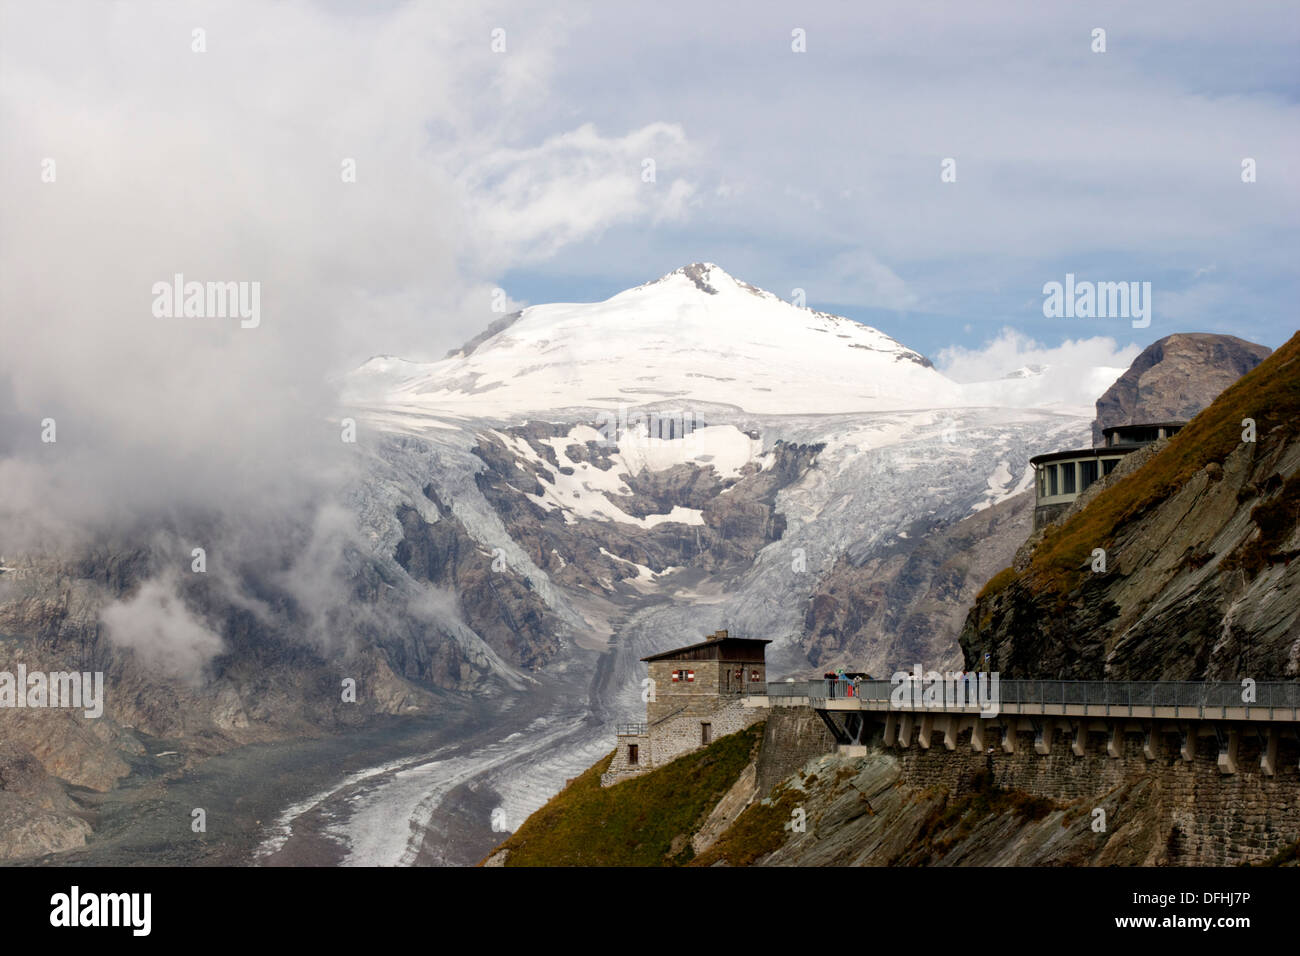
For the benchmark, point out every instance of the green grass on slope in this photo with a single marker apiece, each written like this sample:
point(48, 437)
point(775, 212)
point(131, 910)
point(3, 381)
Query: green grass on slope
point(1269, 393)
point(645, 821)
point(760, 830)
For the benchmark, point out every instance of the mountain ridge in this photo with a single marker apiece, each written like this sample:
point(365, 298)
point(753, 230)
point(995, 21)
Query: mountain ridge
point(694, 335)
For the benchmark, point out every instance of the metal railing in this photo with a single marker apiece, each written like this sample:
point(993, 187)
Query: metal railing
point(630, 730)
point(1055, 693)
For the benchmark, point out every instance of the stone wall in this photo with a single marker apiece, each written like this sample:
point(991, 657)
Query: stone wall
point(1213, 819)
point(699, 696)
point(619, 767)
point(792, 737)
point(679, 735)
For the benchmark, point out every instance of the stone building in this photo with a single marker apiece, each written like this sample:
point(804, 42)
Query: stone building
point(696, 695)
point(1061, 476)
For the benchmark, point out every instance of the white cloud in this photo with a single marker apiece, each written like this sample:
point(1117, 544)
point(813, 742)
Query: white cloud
point(155, 623)
point(1012, 351)
point(527, 203)
point(227, 166)
point(860, 277)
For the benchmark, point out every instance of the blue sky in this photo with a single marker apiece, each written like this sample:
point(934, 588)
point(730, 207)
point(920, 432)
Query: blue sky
point(519, 165)
point(821, 170)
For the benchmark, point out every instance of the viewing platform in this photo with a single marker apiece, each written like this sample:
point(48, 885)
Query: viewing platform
point(995, 715)
point(1061, 476)
point(1174, 700)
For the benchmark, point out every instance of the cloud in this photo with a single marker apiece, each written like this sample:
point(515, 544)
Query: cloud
point(1067, 160)
point(530, 202)
point(1011, 351)
point(233, 165)
point(860, 277)
point(165, 636)
point(374, 171)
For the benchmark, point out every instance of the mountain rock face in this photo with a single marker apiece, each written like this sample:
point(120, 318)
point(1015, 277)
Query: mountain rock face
point(909, 602)
point(1201, 540)
point(36, 815)
point(1174, 378)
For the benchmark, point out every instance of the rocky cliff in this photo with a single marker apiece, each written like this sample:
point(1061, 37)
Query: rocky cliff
point(1174, 378)
point(1182, 566)
point(906, 602)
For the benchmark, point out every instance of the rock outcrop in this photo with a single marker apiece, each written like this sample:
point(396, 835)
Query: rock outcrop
point(1183, 566)
point(906, 604)
point(1174, 378)
point(36, 815)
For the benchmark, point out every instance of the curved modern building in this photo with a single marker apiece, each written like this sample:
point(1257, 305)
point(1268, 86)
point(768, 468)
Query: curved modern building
point(1061, 476)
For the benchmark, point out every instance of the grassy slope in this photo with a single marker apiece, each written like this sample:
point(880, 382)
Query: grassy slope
point(1269, 393)
point(759, 830)
point(645, 821)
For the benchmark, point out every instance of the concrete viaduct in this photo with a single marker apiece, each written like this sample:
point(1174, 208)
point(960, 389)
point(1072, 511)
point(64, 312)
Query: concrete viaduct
point(1181, 710)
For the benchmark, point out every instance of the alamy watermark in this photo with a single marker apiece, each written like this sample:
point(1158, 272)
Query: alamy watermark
point(673, 425)
point(954, 690)
point(54, 689)
point(208, 300)
point(75, 908)
point(1098, 300)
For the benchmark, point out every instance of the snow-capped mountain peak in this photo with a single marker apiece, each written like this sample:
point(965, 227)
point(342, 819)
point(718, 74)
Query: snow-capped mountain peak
point(709, 278)
point(695, 335)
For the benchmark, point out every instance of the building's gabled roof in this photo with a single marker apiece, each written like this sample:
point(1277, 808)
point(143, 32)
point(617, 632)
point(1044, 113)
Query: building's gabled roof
point(719, 642)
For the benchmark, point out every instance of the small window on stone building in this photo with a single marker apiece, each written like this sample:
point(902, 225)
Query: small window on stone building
point(633, 753)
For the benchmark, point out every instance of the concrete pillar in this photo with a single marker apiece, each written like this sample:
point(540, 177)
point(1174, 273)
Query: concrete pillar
point(1043, 737)
point(891, 728)
point(927, 730)
point(977, 736)
point(1009, 738)
point(950, 732)
point(905, 729)
point(1150, 742)
point(1187, 745)
point(1115, 746)
point(1080, 743)
point(1268, 753)
point(1227, 750)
